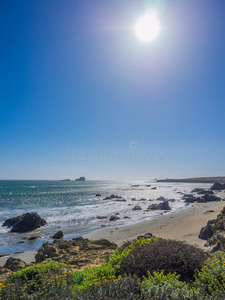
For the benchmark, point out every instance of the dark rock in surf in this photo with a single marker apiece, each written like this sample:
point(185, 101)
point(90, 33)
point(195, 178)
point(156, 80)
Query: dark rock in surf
point(161, 206)
point(58, 235)
point(113, 218)
point(101, 217)
point(120, 200)
point(137, 207)
point(112, 197)
point(161, 199)
point(25, 223)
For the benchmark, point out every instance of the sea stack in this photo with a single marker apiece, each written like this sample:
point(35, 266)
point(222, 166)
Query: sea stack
point(80, 179)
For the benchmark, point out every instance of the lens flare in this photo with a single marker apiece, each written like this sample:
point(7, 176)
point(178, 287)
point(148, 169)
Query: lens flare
point(148, 26)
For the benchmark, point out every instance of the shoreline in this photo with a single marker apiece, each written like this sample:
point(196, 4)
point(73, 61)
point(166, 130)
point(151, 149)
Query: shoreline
point(184, 225)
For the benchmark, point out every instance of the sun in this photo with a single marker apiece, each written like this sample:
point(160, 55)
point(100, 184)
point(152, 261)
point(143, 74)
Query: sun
point(148, 27)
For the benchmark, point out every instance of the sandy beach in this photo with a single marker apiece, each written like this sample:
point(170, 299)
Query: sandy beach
point(182, 225)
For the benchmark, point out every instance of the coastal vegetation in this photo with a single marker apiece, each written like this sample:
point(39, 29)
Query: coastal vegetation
point(146, 268)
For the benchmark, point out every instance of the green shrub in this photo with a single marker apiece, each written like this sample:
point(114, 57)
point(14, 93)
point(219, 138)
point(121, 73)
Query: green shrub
point(165, 255)
point(88, 276)
point(212, 274)
point(31, 272)
point(47, 285)
point(123, 251)
point(84, 278)
point(160, 286)
point(113, 289)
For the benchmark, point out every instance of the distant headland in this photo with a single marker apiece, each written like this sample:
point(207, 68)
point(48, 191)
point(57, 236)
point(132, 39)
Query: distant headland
point(196, 180)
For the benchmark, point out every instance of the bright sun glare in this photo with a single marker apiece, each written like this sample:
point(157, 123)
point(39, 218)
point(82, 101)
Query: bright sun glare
point(148, 27)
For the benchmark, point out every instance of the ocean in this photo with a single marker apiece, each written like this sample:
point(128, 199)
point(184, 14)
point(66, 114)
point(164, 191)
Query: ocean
point(72, 206)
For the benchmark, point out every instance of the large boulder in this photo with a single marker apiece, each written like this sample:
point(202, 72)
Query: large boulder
point(217, 186)
point(14, 264)
point(25, 223)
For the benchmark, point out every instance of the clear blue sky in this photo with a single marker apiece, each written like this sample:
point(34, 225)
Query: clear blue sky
point(75, 82)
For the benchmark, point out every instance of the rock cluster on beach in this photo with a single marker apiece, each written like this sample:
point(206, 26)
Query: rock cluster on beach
point(214, 232)
point(25, 223)
point(206, 198)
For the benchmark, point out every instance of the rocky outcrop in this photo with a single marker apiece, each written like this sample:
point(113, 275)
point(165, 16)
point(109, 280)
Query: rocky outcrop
point(58, 235)
point(14, 264)
point(214, 232)
point(201, 191)
point(218, 186)
point(78, 252)
point(161, 206)
point(80, 179)
point(25, 223)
